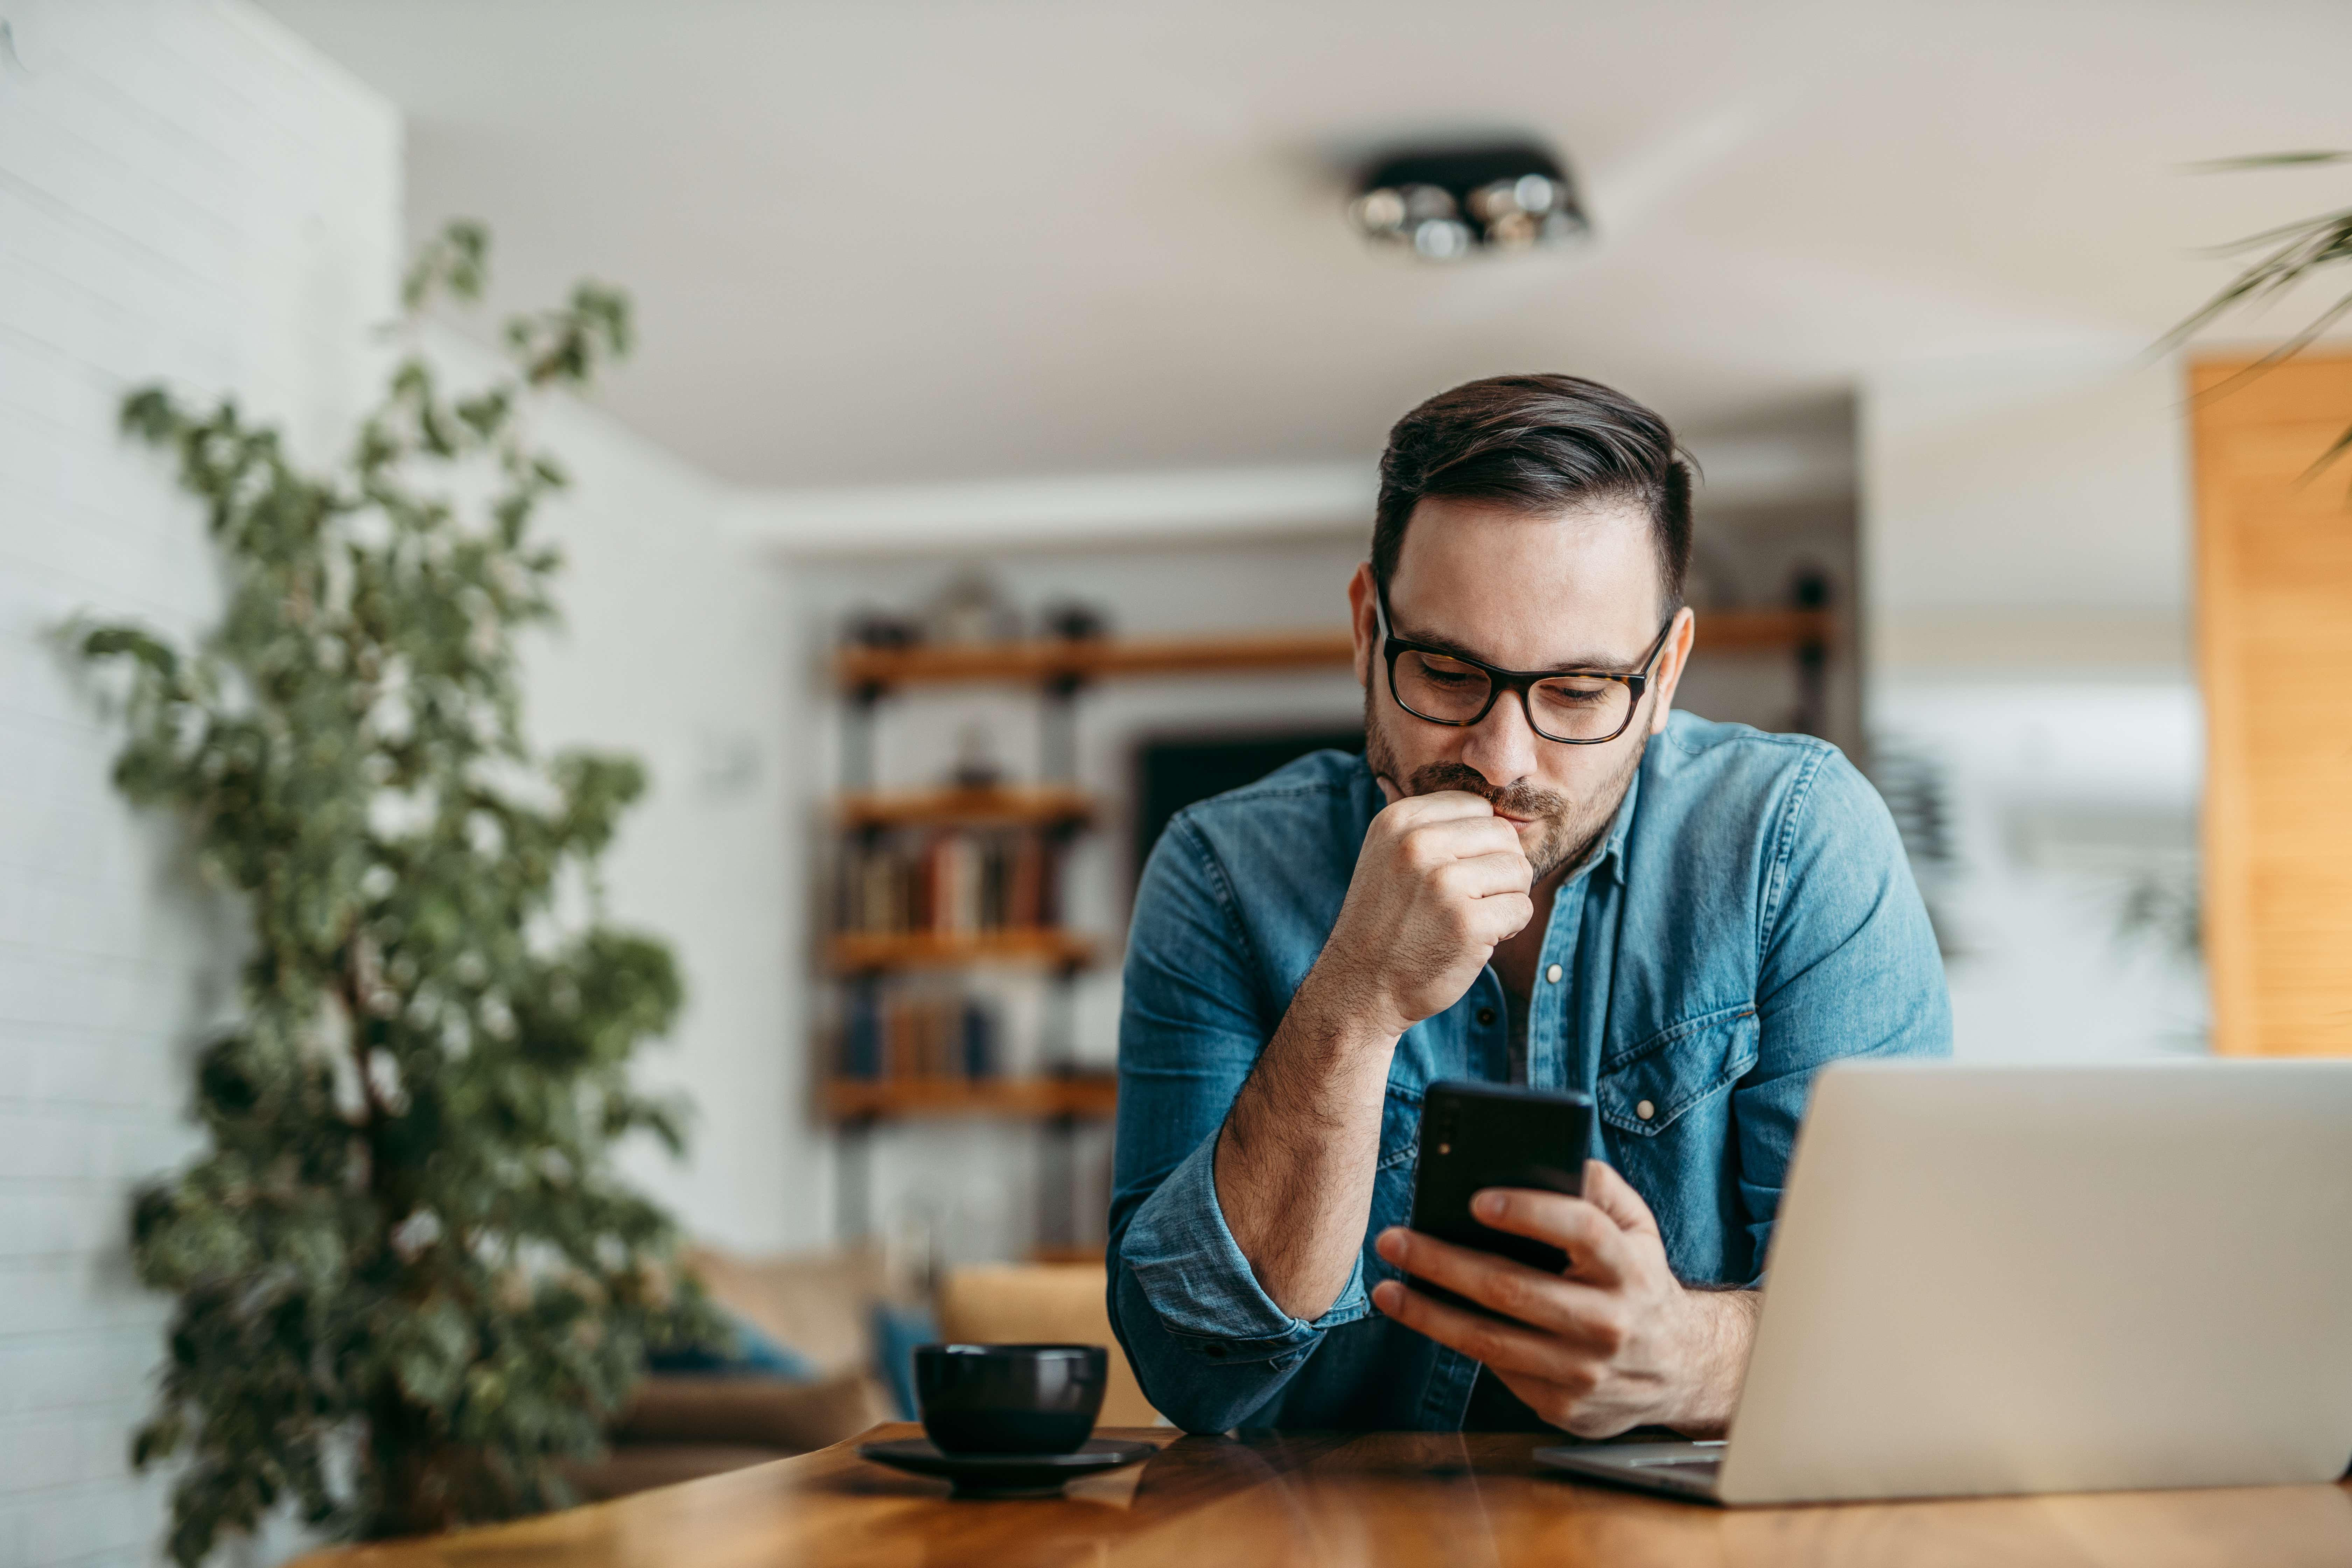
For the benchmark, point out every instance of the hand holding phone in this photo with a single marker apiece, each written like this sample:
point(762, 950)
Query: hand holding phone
point(1479, 1136)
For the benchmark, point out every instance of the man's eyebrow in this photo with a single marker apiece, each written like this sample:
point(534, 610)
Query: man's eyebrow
point(1442, 644)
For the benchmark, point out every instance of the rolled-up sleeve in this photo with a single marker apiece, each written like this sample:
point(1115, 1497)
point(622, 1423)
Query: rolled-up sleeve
point(1209, 1345)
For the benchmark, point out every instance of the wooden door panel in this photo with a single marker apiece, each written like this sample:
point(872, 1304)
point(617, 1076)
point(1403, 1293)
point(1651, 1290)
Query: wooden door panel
point(2275, 632)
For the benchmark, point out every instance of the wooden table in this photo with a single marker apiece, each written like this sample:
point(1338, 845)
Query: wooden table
point(1361, 1499)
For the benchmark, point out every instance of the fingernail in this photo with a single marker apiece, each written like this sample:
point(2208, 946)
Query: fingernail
point(1487, 1205)
point(1391, 1240)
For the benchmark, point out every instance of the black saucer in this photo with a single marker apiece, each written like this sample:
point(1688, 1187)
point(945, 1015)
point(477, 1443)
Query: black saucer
point(1006, 1475)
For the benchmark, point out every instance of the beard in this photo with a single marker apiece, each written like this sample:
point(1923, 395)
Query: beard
point(1568, 827)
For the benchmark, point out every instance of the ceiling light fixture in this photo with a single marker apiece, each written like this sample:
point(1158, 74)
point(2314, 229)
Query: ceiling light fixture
point(1448, 203)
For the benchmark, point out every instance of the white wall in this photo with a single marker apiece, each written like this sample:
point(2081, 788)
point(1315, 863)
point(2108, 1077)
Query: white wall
point(2029, 506)
point(2026, 542)
point(185, 191)
point(679, 647)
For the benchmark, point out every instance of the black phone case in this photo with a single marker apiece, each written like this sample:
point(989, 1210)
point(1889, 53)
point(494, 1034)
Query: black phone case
point(1480, 1135)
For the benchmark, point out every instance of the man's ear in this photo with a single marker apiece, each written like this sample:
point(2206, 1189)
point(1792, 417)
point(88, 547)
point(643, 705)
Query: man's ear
point(1679, 643)
point(1365, 622)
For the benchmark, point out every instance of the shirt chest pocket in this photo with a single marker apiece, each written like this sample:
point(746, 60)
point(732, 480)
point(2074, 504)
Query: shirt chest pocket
point(1647, 1089)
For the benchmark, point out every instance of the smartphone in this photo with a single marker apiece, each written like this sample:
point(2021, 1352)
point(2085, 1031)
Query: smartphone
point(1479, 1136)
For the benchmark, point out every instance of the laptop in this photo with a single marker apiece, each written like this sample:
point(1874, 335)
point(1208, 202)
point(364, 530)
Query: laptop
point(2002, 1279)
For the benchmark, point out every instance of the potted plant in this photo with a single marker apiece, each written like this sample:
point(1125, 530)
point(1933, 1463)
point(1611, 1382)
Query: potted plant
point(409, 1284)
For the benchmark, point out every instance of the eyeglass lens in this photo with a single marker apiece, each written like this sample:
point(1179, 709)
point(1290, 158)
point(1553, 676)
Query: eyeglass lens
point(1565, 708)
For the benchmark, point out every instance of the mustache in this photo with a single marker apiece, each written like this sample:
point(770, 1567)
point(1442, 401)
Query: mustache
point(1521, 799)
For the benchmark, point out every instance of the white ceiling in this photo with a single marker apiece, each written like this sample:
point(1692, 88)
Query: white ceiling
point(894, 241)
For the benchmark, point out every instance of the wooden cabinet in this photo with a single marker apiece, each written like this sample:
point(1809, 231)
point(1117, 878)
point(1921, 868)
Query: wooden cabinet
point(2274, 613)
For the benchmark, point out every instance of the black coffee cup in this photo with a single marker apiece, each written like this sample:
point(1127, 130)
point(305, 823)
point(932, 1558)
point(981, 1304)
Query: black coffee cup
point(1010, 1399)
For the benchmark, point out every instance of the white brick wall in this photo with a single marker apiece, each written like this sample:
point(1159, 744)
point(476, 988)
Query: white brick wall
point(186, 191)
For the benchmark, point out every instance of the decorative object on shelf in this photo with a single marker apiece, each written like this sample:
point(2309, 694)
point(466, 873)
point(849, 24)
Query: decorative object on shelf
point(874, 628)
point(1073, 620)
point(971, 608)
point(976, 764)
point(409, 1283)
point(1447, 203)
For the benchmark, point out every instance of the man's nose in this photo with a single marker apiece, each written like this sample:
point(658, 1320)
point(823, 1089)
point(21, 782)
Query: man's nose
point(1502, 745)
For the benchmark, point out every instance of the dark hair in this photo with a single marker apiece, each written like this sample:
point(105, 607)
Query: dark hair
point(1541, 443)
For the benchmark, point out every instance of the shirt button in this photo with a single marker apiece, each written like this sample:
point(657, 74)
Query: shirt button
point(1486, 1014)
point(1645, 1111)
point(1552, 975)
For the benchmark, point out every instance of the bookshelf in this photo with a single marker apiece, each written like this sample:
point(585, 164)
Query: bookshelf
point(911, 909)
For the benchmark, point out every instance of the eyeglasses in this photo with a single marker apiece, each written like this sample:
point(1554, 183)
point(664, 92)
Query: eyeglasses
point(1574, 707)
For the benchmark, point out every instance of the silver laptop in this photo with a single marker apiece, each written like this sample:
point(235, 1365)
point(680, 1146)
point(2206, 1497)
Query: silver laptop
point(2045, 1278)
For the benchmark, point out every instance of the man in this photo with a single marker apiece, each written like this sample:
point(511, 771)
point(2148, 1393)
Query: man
point(1537, 872)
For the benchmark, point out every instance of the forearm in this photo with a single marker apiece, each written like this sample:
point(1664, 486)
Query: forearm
point(1723, 1330)
point(1296, 1157)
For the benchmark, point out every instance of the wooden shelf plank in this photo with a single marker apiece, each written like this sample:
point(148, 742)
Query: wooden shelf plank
point(1092, 1096)
point(1063, 1256)
point(1719, 630)
point(1048, 659)
point(1042, 805)
point(1762, 631)
point(856, 953)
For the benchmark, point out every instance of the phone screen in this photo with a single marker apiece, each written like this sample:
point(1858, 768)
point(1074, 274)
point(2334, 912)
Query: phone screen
point(1479, 1136)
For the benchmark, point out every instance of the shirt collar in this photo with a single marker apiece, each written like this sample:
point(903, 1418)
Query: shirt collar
point(1613, 854)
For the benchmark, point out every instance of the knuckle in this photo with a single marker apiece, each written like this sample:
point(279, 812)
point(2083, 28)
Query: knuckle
point(1610, 1331)
point(1518, 1296)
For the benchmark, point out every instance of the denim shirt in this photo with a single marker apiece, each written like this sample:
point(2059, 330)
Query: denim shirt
point(1749, 918)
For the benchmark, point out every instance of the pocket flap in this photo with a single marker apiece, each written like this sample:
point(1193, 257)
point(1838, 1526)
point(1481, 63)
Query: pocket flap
point(1646, 1089)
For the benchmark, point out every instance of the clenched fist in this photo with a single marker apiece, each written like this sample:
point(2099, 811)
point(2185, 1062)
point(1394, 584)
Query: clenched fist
point(1441, 880)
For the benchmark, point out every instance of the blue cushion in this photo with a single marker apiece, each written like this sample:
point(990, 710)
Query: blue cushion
point(897, 1331)
point(750, 1353)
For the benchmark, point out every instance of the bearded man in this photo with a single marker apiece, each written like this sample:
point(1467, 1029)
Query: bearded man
point(1538, 872)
